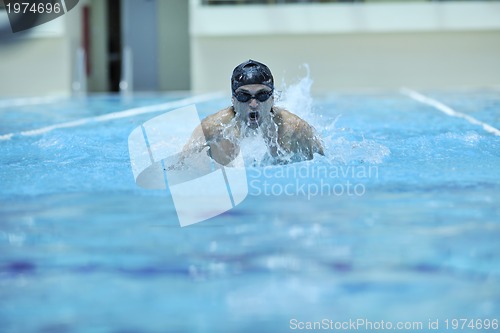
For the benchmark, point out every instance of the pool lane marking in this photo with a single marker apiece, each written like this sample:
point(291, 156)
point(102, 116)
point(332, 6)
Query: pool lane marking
point(118, 115)
point(30, 101)
point(447, 110)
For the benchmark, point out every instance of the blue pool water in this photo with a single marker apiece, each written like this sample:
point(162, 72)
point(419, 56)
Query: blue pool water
point(84, 249)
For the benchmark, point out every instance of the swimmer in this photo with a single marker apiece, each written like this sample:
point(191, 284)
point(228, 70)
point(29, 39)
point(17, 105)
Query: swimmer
point(288, 137)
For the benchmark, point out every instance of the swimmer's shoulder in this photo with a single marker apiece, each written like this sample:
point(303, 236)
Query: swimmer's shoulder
point(215, 122)
point(291, 123)
point(296, 133)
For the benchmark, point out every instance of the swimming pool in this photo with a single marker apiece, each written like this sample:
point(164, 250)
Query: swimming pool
point(84, 249)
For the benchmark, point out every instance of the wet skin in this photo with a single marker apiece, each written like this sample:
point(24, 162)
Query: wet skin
point(288, 137)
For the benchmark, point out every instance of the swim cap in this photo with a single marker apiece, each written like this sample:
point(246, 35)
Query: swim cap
point(251, 72)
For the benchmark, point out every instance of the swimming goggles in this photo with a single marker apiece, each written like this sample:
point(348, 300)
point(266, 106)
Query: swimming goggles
point(261, 96)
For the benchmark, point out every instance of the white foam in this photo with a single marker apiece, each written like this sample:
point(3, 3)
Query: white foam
point(253, 148)
point(297, 97)
point(346, 151)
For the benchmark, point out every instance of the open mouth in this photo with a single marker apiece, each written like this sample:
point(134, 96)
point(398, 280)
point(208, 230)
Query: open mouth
point(253, 116)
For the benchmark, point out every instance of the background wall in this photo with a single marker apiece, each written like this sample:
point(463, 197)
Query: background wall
point(99, 74)
point(182, 45)
point(350, 46)
point(356, 61)
point(174, 45)
point(21, 76)
point(42, 60)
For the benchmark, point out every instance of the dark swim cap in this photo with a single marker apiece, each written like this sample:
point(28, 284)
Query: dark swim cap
point(251, 72)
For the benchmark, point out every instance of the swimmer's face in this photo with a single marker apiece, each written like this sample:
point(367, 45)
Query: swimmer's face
point(252, 104)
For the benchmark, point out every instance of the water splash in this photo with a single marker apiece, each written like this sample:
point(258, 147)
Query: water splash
point(297, 97)
point(341, 145)
point(254, 148)
point(345, 151)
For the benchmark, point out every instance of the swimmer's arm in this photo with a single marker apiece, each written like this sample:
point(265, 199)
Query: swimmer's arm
point(308, 140)
point(208, 131)
point(317, 145)
point(195, 144)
